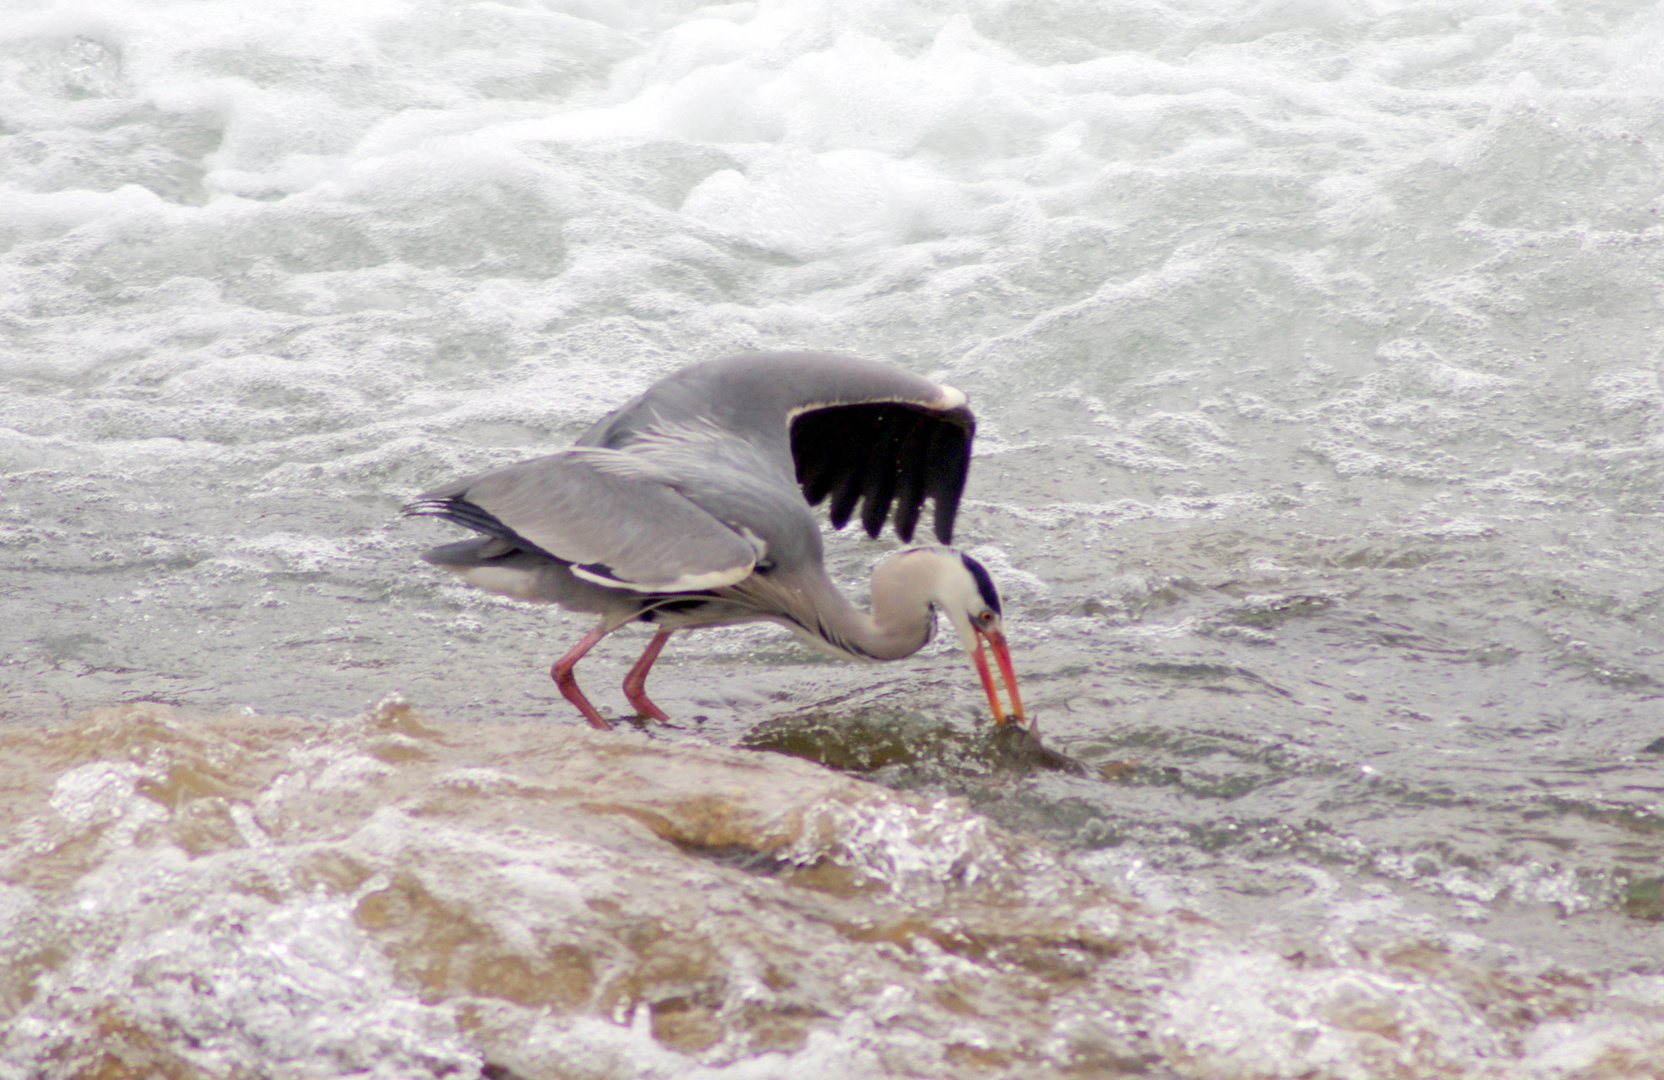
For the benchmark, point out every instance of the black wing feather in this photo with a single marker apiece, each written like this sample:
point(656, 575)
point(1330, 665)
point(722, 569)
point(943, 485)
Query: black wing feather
point(890, 455)
point(817, 475)
point(910, 480)
point(881, 466)
point(460, 511)
point(851, 486)
point(950, 461)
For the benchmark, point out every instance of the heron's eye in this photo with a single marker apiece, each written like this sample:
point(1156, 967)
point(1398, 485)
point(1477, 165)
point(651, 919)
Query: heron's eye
point(986, 618)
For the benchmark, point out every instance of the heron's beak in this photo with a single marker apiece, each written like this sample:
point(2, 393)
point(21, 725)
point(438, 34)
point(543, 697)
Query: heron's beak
point(1002, 656)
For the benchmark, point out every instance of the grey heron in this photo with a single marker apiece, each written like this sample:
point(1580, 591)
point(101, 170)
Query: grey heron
point(690, 506)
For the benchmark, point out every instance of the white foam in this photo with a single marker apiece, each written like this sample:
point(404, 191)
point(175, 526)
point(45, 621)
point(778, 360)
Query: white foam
point(265, 272)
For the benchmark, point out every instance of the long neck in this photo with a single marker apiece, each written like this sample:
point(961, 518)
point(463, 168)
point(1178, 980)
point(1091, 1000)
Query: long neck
point(900, 623)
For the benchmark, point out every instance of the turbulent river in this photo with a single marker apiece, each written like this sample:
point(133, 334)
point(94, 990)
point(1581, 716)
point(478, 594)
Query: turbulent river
point(1316, 348)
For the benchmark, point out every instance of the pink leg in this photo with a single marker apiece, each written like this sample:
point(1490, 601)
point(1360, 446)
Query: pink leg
point(635, 683)
point(568, 683)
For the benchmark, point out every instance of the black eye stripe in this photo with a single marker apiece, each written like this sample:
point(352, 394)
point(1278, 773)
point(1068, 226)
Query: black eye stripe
point(984, 583)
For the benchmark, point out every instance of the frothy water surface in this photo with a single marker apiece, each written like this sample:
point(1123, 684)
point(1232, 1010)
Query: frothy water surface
point(1316, 350)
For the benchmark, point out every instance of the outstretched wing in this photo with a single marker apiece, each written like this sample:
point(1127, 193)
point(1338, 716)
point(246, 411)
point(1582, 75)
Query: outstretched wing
point(855, 431)
point(612, 517)
point(884, 455)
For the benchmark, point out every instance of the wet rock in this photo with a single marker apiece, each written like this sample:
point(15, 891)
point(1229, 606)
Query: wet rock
point(394, 894)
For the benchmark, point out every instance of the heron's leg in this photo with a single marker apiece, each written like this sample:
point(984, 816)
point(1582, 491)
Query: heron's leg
point(635, 683)
point(568, 683)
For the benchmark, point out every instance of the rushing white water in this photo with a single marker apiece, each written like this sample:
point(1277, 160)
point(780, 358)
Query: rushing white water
point(1316, 350)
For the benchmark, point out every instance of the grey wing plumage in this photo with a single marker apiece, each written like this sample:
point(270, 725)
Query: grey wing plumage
point(855, 431)
point(613, 518)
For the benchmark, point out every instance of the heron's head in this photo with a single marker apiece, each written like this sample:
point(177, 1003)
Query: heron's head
point(963, 590)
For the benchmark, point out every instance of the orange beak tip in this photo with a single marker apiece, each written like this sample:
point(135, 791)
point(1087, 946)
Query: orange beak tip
point(1008, 673)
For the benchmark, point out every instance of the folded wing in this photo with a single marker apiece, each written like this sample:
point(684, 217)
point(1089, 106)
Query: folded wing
point(613, 518)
